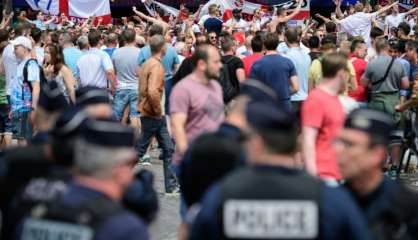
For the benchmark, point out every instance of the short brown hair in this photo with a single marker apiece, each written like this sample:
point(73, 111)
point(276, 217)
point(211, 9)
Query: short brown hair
point(332, 63)
point(381, 44)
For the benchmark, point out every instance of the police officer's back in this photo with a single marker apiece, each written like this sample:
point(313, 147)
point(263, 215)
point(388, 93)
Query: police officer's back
point(91, 208)
point(270, 199)
point(24, 165)
point(390, 208)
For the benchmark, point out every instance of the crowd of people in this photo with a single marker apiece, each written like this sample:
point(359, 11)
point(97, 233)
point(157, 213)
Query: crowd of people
point(266, 130)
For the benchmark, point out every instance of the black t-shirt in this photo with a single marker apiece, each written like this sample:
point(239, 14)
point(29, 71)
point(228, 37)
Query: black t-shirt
point(233, 63)
point(185, 69)
point(213, 25)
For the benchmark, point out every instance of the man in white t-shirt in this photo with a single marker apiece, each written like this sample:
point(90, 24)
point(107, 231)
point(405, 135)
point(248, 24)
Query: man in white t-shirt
point(95, 66)
point(360, 23)
point(395, 18)
point(236, 22)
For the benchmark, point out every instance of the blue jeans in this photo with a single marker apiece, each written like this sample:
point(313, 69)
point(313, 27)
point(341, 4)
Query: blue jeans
point(22, 128)
point(168, 86)
point(123, 98)
point(158, 127)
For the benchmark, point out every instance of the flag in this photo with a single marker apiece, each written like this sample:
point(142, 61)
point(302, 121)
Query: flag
point(74, 8)
point(247, 7)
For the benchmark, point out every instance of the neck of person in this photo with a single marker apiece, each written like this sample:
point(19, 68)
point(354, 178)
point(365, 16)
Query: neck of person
point(68, 45)
point(228, 53)
point(157, 56)
point(293, 45)
point(330, 86)
point(131, 44)
point(274, 160)
point(107, 187)
point(366, 183)
point(384, 53)
point(200, 77)
point(271, 52)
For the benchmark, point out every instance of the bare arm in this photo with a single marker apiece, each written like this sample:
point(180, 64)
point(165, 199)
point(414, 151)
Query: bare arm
point(241, 75)
point(69, 82)
point(294, 84)
point(325, 19)
point(35, 93)
point(309, 135)
point(150, 19)
point(338, 11)
point(294, 13)
point(411, 11)
point(112, 78)
point(386, 8)
point(178, 123)
point(49, 21)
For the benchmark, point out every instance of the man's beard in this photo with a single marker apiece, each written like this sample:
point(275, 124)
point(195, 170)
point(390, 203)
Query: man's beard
point(210, 75)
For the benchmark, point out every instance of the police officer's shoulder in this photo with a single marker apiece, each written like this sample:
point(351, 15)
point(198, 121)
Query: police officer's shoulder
point(123, 226)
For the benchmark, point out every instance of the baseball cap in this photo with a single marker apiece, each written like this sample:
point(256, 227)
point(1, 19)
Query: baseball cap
point(23, 41)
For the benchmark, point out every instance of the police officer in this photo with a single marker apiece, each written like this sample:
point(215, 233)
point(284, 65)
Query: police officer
point(24, 164)
point(269, 199)
point(95, 101)
point(50, 105)
point(104, 156)
point(390, 208)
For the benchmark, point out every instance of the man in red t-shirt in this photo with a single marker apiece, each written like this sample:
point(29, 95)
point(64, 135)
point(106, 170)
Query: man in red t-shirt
point(257, 47)
point(359, 52)
point(322, 118)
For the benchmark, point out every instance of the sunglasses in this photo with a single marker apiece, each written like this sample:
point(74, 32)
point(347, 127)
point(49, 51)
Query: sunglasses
point(212, 37)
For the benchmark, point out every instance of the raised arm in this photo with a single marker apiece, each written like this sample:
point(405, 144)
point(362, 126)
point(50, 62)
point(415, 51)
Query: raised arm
point(150, 19)
point(412, 11)
point(338, 11)
point(325, 19)
point(294, 13)
point(384, 9)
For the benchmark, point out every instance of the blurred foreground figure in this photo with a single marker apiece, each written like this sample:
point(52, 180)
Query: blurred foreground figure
point(90, 208)
point(389, 207)
point(269, 199)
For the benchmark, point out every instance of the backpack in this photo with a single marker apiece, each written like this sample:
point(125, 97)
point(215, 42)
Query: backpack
point(42, 78)
point(230, 89)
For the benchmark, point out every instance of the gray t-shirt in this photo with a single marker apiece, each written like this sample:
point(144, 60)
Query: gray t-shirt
point(125, 62)
point(376, 70)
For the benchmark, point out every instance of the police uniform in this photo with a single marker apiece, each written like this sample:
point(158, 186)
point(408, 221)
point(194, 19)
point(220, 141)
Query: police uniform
point(24, 180)
point(276, 202)
point(82, 212)
point(391, 209)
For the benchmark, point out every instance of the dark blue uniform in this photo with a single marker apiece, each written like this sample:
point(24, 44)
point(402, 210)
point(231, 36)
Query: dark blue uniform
point(390, 210)
point(121, 226)
point(339, 217)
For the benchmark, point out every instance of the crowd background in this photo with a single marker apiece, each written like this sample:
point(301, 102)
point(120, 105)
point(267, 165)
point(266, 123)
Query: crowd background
point(232, 107)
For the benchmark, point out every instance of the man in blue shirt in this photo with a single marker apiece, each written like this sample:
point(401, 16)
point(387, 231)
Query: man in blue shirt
point(277, 72)
point(302, 62)
point(71, 53)
point(170, 60)
point(293, 206)
point(213, 23)
point(40, 21)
